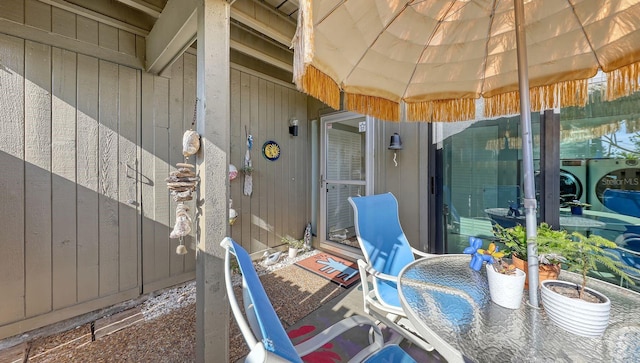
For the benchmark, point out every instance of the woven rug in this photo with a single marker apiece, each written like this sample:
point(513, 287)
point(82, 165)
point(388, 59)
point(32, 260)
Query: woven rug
point(342, 272)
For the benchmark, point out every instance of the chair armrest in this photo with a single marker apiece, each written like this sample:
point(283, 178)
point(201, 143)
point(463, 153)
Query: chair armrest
point(335, 330)
point(377, 274)
point(422, 254)
point(635, 253)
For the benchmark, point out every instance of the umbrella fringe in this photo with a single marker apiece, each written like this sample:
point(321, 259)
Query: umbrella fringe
point(378, 107)
point(442, 110)
point(317, 84)
point(623, 81)
point(568, 93)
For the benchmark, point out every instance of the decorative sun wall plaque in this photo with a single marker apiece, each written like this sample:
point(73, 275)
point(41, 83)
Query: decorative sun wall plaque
point(271, 150)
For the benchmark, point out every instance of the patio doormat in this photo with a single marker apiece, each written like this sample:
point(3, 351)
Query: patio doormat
point(342, 272)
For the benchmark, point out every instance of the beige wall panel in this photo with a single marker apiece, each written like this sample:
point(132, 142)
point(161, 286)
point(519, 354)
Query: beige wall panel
point(87, 178)
point(12, 10)
point(299, 152)
point(176, 130)
point(108, 177)
point(63, 178)
point(11, 158)
point(37, 14)
point(259, 164)
point(37, 178)
point(189, 102)
point(63, 22)
point(107, 36)
point(127, 42)
point(402, 184)
point(267, 171)
point(237, 147)
point(148, 185)
point(289, 165)
point(87, 30)
point(162, 244)
point(128, 121)
point(270, 201)
point(303, 168)
point(287, 171)
point(245, 122)
point(280, 177)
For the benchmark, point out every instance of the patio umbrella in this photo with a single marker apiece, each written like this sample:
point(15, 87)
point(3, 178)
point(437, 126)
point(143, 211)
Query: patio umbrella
point(430, 61)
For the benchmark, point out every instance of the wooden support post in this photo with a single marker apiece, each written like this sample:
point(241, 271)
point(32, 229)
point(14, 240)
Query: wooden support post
point(550, 168)
point(213, 112)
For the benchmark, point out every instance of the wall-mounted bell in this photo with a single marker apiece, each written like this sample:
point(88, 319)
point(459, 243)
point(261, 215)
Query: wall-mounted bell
point(396, 143)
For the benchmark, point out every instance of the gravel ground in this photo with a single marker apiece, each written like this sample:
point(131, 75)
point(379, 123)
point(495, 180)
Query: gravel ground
point(167, 332)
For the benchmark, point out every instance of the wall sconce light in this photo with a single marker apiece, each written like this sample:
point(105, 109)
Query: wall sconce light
point(396, 144)
point(293, 127)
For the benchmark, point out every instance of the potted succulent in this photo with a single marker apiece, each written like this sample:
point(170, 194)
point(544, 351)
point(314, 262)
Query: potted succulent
point(575, 307)
point(550, 244)
point(295, 245)
point(577, 207)
point(506, 283)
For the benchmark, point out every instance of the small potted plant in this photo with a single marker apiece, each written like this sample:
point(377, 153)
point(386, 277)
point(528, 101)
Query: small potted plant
point(550, 245)
point(575, 307)
point(506, 282)
point(295, 245)
point(577, 207)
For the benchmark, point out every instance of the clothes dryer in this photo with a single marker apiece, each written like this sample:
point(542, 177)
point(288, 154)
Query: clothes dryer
point(573, 179)
point(611, 174)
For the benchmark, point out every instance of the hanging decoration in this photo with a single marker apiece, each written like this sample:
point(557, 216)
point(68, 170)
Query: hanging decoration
point(247, 168)
point(233, 215)
point(233, 172)
point(182, 183)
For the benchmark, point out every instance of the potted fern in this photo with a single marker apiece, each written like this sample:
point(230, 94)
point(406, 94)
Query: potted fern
point(575, 307)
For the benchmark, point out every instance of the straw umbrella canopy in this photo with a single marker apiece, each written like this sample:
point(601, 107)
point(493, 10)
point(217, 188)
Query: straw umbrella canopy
point(420, 60)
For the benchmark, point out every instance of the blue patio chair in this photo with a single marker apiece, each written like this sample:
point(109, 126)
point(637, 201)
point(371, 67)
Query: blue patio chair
point(265, 335)
point(386, 252)
point(630, 258)
point(625, 202)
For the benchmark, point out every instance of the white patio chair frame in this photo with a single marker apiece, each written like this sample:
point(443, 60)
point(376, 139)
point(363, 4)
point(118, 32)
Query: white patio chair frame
point(265, 335)
point(374, 302)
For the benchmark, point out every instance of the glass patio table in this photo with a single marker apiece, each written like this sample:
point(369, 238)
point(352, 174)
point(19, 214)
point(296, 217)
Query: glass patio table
point(449, 305)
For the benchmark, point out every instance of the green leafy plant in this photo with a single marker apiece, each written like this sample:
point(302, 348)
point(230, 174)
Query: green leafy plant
point(585, 252)
point(246, 169)
point(577, 203)
point(551, 243)
point(292, 242)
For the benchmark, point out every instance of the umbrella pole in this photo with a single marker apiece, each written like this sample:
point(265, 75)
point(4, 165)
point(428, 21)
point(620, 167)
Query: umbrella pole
point(527, 154)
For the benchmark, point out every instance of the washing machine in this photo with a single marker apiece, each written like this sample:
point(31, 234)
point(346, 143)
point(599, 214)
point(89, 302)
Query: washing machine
point(610, 174)
point(573, 179)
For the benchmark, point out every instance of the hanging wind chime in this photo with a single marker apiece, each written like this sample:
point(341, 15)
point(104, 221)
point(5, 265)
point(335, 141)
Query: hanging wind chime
point(182, 183)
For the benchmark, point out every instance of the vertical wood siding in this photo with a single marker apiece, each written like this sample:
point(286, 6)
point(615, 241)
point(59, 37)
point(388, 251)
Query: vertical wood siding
point(69, 126)
point(279, 204)
point(86, 145)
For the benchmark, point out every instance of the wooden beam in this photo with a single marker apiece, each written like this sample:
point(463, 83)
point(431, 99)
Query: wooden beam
point(260, 55)
point(143, 6)
point(27, 32)
point(175, 31)
point(261, 27)
point(172, 34)
point(78, 10)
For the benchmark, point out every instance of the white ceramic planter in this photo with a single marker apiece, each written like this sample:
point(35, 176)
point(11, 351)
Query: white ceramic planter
point(293, 252)
point(506, 290)
point(575, 315)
